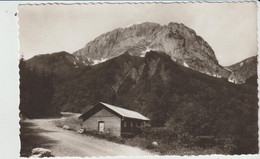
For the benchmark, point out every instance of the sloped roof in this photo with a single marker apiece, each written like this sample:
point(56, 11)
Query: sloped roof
point(116, 110)
point(125, 112)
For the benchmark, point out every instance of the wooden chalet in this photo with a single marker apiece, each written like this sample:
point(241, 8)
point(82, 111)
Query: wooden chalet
point(106, 118)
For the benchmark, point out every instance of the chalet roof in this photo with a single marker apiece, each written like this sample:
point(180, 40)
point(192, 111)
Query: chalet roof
point(117, 110)
point(125, 112)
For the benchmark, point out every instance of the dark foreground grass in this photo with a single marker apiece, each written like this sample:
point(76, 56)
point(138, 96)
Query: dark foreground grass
point(170, 148)
point(30, 139)
point(168, 143)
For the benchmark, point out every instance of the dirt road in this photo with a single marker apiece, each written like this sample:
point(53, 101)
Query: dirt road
point(68, 143)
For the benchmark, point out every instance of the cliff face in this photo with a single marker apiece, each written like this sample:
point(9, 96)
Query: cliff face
point(243, 70)
point(180, 42)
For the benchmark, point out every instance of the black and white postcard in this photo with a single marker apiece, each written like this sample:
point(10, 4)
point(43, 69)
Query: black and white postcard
point(138, 79)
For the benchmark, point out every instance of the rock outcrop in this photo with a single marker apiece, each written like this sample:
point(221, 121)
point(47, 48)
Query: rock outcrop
point(243, 70)
point(180, 42)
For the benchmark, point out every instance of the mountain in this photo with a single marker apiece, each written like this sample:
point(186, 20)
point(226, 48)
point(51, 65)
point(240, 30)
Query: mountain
point(128, 77)
point(243, 70)
point(61, 64)
point(180, 42)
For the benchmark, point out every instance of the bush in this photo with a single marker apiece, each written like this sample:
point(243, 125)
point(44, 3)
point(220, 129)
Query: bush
point(73, 122)
point(140, 141)
point(105, 136)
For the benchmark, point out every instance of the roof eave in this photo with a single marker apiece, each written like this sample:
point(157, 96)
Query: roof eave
point(136, 118)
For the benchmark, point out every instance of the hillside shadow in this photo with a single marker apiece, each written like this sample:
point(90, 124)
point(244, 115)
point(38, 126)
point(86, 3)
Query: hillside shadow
point(30, 138)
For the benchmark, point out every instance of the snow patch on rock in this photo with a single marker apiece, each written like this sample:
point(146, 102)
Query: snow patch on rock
point(216, 75)
point(76, 66)
point(185, 64)
point(208, 73)
point(143, 53)
point(173, 59)
point(231, 80)
point(228, 69)
point(99, 61)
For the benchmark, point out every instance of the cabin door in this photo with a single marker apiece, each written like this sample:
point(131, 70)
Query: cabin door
point(101, 126)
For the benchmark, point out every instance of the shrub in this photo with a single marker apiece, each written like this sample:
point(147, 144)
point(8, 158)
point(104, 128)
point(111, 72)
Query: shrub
point(105, 136)
point(72, 122)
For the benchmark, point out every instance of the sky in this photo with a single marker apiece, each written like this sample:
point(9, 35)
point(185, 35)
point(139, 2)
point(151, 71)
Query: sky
point(229, 28)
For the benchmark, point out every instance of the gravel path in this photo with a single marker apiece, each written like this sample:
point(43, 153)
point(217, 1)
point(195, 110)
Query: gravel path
point(73, 144)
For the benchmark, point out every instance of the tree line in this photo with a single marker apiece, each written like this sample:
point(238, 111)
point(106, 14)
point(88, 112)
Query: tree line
point(36, 92)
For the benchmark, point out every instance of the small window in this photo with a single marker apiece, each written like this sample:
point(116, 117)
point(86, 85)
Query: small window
point(132, 124)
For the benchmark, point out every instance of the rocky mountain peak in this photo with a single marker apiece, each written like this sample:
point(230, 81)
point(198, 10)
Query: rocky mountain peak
point(180, 42)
